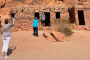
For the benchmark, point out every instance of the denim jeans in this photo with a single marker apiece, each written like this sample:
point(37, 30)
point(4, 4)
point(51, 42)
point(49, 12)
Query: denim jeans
point(0, 22)
point(35, 30)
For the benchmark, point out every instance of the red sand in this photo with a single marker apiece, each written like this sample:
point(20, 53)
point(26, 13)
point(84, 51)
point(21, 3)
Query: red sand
point(29, 47)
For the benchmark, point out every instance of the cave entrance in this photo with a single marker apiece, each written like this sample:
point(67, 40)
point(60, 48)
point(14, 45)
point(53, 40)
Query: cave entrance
point(47, 20)
point(36, 15)
point(81, 18)
point(57, 15)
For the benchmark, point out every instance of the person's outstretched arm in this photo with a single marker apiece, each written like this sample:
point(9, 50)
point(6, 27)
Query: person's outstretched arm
point(12, 22)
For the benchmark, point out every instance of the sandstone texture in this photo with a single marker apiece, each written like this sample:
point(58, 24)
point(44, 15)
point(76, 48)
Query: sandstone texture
point(49, 37)
point(55, 36)
point(29, 47)
point(24, 15)
point(59, 36)
point(2, 3)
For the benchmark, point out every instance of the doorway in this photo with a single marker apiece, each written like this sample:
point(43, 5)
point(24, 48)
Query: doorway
point(81, 18)
point(47, 20)
point(57, 15)
point(13, 15)
point(36, 15)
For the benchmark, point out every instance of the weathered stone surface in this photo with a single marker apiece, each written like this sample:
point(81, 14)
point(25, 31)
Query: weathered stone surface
point(24, 15)
point(2, 3)
point(24, 11)
point(49, 37)
point(59, 36)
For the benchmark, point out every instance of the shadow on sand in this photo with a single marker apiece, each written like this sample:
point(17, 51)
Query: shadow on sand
point(10, 49)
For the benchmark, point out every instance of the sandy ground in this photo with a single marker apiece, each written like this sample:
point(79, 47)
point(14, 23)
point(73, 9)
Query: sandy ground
point(25, 46)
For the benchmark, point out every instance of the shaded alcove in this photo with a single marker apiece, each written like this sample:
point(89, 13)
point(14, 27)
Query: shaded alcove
point(57, 15)
point(72, 15)
point(13, 15)
point(47, 19)
point(81, 18)
point(36, 15)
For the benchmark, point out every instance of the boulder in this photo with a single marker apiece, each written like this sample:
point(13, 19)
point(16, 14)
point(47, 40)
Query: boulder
point(87, 28)
point(49, 37)
point(59, 36)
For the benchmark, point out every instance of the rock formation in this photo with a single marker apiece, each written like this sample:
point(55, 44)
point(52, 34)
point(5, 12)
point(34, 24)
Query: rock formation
point(2, 3)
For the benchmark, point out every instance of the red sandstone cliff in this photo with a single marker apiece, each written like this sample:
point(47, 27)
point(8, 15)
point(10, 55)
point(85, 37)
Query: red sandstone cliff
point(5, 5)
point(2, 3)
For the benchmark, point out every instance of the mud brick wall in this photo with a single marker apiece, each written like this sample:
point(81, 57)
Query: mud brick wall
point(87, 17)
point(86, 10)
point(24, 15)
point(24, 22)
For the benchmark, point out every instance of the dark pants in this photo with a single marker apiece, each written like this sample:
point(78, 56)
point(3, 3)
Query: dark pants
point(0, 22)
point(35, 30)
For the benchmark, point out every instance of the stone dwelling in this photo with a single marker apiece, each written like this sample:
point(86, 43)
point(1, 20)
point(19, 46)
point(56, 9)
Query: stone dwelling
point(76, 11)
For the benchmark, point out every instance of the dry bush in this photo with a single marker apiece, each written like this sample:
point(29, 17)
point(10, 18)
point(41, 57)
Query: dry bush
point(40, 27)
point(63, 26)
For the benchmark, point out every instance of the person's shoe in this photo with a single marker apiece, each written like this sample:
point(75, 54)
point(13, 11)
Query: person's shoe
point(6, 57)
point(34, 34)
point(37, 36)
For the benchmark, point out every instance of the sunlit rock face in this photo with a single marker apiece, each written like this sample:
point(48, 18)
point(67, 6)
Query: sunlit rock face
point(2, 3)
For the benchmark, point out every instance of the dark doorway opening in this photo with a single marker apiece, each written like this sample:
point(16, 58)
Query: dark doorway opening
point(22, 10)
point(13, 15)
point(81, 18)
point(57, 15)
point(47, 19)
point(36, 15)
point(72, 15)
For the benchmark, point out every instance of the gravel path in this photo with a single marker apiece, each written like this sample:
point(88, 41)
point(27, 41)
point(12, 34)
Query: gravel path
point(25, 46)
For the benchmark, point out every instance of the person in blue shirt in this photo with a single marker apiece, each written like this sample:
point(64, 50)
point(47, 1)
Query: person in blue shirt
point(35, 27)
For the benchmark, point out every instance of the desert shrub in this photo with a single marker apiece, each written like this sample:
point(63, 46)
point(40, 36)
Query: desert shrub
point(64, 26)
point(64, 29)
point(40, 28)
